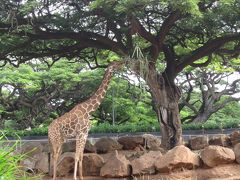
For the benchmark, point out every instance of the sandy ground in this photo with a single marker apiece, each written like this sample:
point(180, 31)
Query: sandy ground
point(223, 172)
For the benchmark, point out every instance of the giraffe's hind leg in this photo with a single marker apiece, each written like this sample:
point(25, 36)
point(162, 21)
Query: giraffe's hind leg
point(80, 144)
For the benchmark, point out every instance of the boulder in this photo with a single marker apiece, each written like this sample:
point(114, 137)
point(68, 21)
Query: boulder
point(131, 155)
point(221, 140)
point(37, 162)
point(116, 166)
point(131, 142)
point(28, 164)
point(178, 157)
point(92, 163)
point(235, 137)
point(145, 163)
point(66, 164)
point(236, 150)
point(186, 143)
point(152, 143)
point(70, 146)
point(105, 145)
point(216, 155)
point(198, 142)
point(89, 147)
point(31, 148)
point(42, 162)
point(46, 146)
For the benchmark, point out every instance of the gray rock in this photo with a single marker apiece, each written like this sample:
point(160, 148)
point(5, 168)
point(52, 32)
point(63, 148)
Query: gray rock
point(131, 142)
point(66, 164)
point(145, 163)
point(92, 164)
point(31, 152)
point(116, 166)
point(42, 162)
point(220, 140)
point(31, 148)
point(69, 146)
point(198, 142)
point(89, 147)
point(235, 137)
point(105, 145)
point(152, 143)
point(236, 150)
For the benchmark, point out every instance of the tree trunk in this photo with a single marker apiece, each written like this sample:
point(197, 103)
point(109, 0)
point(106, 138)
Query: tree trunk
point(166, 96)
point(169, 120)
point(1, 123)
point(201, 117)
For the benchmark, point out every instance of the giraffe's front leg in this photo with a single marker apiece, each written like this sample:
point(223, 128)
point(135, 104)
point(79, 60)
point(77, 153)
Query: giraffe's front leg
point(75, 167)
point(77, 158)
point(80, 164)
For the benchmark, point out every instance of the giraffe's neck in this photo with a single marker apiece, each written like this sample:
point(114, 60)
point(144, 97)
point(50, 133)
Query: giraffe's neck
point(95, 100)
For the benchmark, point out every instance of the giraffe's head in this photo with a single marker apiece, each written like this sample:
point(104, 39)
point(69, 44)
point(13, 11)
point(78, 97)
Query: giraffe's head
point(115, 65)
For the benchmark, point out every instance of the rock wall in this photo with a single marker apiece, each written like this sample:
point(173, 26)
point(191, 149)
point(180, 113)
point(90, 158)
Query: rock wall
point(138, 155)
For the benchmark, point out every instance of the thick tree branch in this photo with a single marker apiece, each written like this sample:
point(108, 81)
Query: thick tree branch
point(161, 35)
point(224, 103)
point(171, 63)
point(188, 92)
point(204, 64)
point(137, 27)
point(82, 36)
point(206, 49)
point(166, 26)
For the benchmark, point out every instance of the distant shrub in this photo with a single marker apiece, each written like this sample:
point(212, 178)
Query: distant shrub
point(134, 127)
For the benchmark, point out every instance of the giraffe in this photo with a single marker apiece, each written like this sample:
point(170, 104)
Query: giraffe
point(76, 123)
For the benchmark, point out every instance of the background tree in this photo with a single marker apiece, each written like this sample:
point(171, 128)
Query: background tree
point(33, 92)
point(33, 95)
point(177, 33)
point(215, 90)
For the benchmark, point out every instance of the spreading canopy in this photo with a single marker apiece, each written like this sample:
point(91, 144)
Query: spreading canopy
point(184, 31)
point(177, 33)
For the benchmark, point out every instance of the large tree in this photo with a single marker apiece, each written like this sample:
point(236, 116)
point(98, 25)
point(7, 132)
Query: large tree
point(178, 33)
point(33, 95)
point(214, 90)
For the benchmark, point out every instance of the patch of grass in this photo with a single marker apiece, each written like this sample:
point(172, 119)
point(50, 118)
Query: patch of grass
point(9, 162)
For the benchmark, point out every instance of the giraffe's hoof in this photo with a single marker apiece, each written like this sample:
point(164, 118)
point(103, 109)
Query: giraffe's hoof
point(76, 178)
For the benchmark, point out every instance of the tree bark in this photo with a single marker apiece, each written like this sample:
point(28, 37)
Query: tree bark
point(165, 96)
point(1, 123)
point(202, 117)
point(169, 119)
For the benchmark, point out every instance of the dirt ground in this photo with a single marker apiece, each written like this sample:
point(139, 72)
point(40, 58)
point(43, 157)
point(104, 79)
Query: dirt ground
point(223, 172)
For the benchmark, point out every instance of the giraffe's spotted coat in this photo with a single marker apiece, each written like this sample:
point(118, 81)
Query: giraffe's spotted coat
point(76, 123)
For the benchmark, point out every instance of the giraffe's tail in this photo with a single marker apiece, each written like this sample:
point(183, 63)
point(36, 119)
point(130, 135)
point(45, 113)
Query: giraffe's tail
point(49, 157)
point(49, 162)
